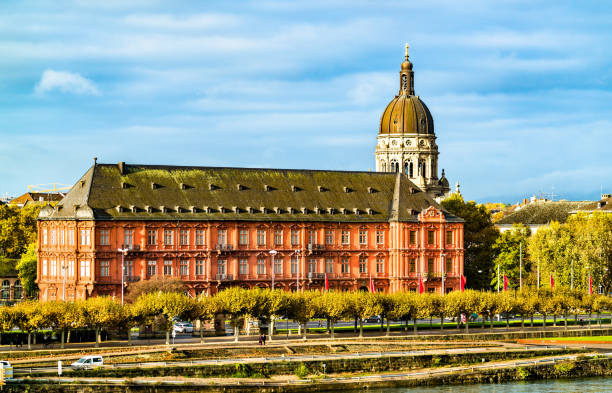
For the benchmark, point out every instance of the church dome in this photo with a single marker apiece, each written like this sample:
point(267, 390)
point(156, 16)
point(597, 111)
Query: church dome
point(406, 113)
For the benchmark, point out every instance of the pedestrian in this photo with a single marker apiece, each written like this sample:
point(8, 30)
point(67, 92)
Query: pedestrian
point(264, 339)
point(581, 322)
point(260, 339)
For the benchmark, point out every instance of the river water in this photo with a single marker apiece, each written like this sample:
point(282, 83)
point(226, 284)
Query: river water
point(586, 385)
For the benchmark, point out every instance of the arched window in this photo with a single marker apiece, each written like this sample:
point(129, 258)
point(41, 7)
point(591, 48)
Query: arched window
point(6, 289)
point(18, 290)
point(411, 171)
point(383, 166)
point(406, 168)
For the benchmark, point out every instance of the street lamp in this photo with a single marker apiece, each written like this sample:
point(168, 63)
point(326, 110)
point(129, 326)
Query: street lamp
point(64, 267)
point(297, 280)
point(273, 253)
point(443, 270)
point(123, 251)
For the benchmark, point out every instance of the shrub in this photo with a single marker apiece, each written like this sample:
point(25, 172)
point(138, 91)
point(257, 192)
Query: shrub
point(522, 373)
point(302, 371)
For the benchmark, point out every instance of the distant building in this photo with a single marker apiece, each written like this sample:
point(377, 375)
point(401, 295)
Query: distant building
point(540, 213)
point(604, 205)
point(36, 198)
point(10, 289)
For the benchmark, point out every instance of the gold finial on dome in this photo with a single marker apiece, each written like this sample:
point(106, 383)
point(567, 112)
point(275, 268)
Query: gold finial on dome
point(407, 47)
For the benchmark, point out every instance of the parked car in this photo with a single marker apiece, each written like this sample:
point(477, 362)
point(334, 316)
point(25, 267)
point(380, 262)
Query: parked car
point(183, 327)
point(373, 319)
point(88, 362)
point(8, 369)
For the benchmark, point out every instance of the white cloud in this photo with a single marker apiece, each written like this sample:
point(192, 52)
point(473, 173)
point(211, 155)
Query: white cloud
point(65, 82)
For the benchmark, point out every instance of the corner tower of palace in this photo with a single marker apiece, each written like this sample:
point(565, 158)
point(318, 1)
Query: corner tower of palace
point(406, 139)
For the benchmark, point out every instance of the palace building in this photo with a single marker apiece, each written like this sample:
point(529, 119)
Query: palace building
point(292, 229)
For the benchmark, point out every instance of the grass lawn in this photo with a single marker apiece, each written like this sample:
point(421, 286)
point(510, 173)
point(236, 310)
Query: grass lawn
point(584, 338)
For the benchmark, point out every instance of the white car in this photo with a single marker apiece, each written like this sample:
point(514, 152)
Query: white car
point(183, 327)
point(8, 369)
point(88, 362)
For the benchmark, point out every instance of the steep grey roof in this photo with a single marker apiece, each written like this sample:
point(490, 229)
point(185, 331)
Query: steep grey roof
point(153, 192)
point(542, 212)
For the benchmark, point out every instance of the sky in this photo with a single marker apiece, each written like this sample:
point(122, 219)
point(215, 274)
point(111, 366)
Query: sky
point(520, 91)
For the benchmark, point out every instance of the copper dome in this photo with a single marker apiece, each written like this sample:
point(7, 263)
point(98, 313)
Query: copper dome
point(406, 114)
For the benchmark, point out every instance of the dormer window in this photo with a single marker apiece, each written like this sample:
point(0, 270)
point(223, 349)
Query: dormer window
point(331, 210)
point(213, 187)
point(155, 186)
point(372, 190)
point(304, 210)
point(290, 210)
point(221, 209)
point(193, 209)
point(369, 211)
point(134, 209)
point(207, 209)
point(277, 210)
point(322, 189)
point(148, 209)
point(347, 190)
point(268, 188)
point(124, 185)
point(119, 208)
point(263, 210)
point(295, 188)
point(240, 187)
point(343, 210)
point(356, 211)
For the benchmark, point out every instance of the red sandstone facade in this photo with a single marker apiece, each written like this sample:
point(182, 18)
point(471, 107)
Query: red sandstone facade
point(82, 256)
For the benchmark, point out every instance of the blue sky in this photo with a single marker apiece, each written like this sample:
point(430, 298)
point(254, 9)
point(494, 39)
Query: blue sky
point(520, 91)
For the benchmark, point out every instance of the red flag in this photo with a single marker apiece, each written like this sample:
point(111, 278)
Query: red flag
point(506, 283)
point(463, 280)
point(421, 286)
point(326, 283)
point(372, 288)
point(590, 284)
point(552, 282)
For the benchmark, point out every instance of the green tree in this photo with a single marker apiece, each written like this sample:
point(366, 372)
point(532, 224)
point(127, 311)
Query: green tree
point(101, 312)
point(333, 305)
point(27, 268)
point(158, 284)
point(17, 229)
point(236, 303)
point(479, 236)
point(508, 248)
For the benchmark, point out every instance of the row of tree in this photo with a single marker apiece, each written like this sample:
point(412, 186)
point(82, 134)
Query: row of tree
point(576, 254)
point(237, 304)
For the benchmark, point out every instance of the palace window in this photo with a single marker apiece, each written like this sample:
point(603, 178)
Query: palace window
point(380, 237)
point(278, 237)
point(412, 237)
point(44, 268)
point(167, 268)
point(104, 268)
point(151, 268)
point(151, 237)
point(168, 237)
point(261, 237)
point(104, 237)
point(221, 267)
point(344, 263)
point(53, 237)
point(312, 265)
point(278, 265)
point(243, 239)
point(431, 236)
point(261, 266)
point(71, 270)
point(53, 269)
point(329, 236)
point(184, 237)
point(294, 265)
point(412, 265)
point(199, 267)
point(61, 232)
point(128, 268)
point(128, 238)
point(430, 265)
point(363, 265)
point(380, 265)
point(312, 237)
point(346, 237)
point(449, 265)
point(244, 266)
point(295, 237)
point(199, 237)
point(363, 237)
point(449, 237)
point(329, 265)
point(70, 237)
point(184, 268)
point(222, 236)
point(44, 236)
point(85, 272)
